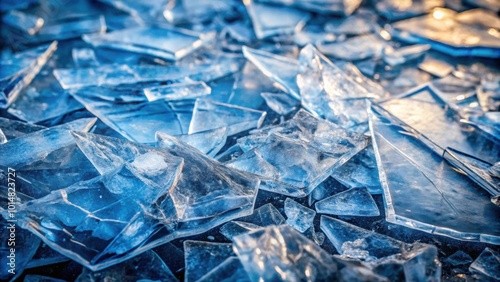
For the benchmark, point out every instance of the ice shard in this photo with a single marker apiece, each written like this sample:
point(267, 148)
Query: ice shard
point(281, 103)
point(84, 58)
point(296, 156)
point(280, 69)
point(299, 217)
point(454, 205)
point(161, 42)
point(446, 34)
point(488, 122)
point(336, 7)
point(487, 264)
point(293, 257)
point(394, 10)
point(209, 142)
point(402, 55)
point(231, 270)
point(202, 257)
point(14, 129)
point(459, 258)
point(178, 91)
point(416, 262)
point(209, 115)
point(145, 11)
point(18, 70)
point(27, 23)
point(3, 139)
point(354, 202)
point(271, 20)
point(355, 48)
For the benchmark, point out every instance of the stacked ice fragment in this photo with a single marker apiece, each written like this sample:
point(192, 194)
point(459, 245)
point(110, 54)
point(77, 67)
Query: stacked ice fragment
point(252, 140)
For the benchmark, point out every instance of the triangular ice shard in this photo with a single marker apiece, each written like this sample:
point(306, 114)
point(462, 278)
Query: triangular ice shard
point(178, 91)
point(281, 70)
point(270, 20)
point(356, 48)
point(201, 257)
point(411, 174)
point(355, 201)
point(231, 270)
point(209, 115)
point(487, 264)
point(209, 142)
point(299, 217)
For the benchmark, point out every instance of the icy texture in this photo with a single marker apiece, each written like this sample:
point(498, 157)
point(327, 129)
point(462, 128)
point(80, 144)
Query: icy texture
point(144, 267)
point(487, 264)
point(270, 20)
point(459, 258)
point(477, 170)
point(124, 74)
point(201, 257)
point(230, 270)
point(84, 58)
point(298, 216)
point(18, 70)
point(293, 257)
point(178, 91)
point(281, 103)
point(328, 92)
point(209, 142)
point(14, 129)
point(360, 171)
point(165, 43)
point(428, 117)
point(3, 139)
point(357, 24)
point(489, 123)
point(337, 7)
point(145, 11)
point(279, 69)
point(209, 115)
point(23, 22)
point(355, 201)
point(355, 48)
point(395, 57)
point(397, 10)
point(417, 262)
point(296, 156)
point(435, 66)
point(436, 199)
point(445, 33)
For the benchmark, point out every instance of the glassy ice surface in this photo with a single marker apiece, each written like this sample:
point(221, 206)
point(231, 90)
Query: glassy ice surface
point(24, 22)
point(165, 43)
point(355, 48)
point(279, 69)
point(209, 115)
point(445, 33)
point(202, 257)
point(270, 20)
point(487, 264)
point(355, 201)
point(280, 246)
point(281, 103)
point(13, 129)
point(296, 156)
point(454, 205)
point(423, 113)
point(208, 142)
point(357, 24)
point(402, 55)
point(435, 66)
point(477, 170)
point(18, 70)
point(416, 262)
point(337, 7)
point(360, 171)
point(230, 270)
point(299, 217)
point(394, 10)
point(178, 91)
point(459, 258)
point(488, 122)
point(3, 139)
point(147, 266)
point(84, 58)
point(144, 11)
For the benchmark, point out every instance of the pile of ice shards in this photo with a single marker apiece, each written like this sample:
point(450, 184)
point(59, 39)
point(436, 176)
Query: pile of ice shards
point(250, 140)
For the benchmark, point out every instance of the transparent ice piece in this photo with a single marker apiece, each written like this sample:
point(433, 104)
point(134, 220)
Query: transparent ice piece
point(146, 11)
point(296, 156)
point(201, 257)
point(124, 74)
point(337, 7)
point(488, 93)
point(271, 255)
point(136, 120)
point(162, 42)
point(45, 256)
point(360, 171)
point(355, 48)
point(444, 33)
point(235, 228)
point(480, 18)
point(3, 139)
point(208, 142)
point(355, 202)
point(178, 91)
point(487, 264)
point(399, 56)
point(477, 170)
point(147, 266)
point(281, 70)
point(249, 83)
point(412, 174)
point(270, 20)
point(418, 261)
point(488, 122)
point(14, 129)
point(420, 110)
point(202, 11)
point(84, 58)
point(230, 270)
point(23, 22)
point(298, 216)
point(395, 10)
point(209, 115)
point(18, 70)
point(357, 24)
point(459, 258)
point(435, 66)
point(281, 103)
